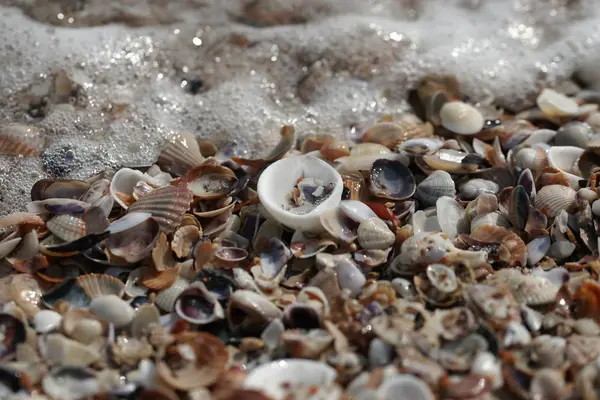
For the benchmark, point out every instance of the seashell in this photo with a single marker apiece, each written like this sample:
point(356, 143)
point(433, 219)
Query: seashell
point(96, 285)
point(124, 182)
point(62, 351)
point(369, 149)
point(301, 378)
point(276, 183)
point(553, 199)
point(112, 309)
point(70, 383)
point(539, 136)
point(349, 275)
point(313, 143)
point(19, 219)
point(301, 344)
point(67, 291)
point(493, 219)
point(391, 180)
point(8, 244)
point(180, 154)
point(127, 351)
point(82, 326)
point(374, 234)
point(145, 317)
point(442, 278)
point(534, 159)
point(565, 159)
point(166, 298)
point(136, 243)
point(331, 151)
point(356, 185)
point(474, 187)
point(304, 246)
point(371, 258)
point(357, 210)
point(210, 182)
point(436, 185)
point(461, 118)
point(194, 360)
point(21, 140)
point(248, 311)
point(68, 227)
point(335, 222)
point(420, 146)
point(57, 206)
point(14, 333)
point(537, 249)
point(512, 249)
point(555, 104)
point(29, 248)
point(302, 316)
point(167, 205)
point(198, 306)
point(574, 133)
point(404, 387)
point(450, 160)
point(56, 188)
point(184, 239)
point(286, 143)
point(229, 257)
point(451, 217)
point(268, 229)
point(46, 321)
point(485, 364)
point(24, 290)
point(353, 164)
point(529, 290)
point(518, 207)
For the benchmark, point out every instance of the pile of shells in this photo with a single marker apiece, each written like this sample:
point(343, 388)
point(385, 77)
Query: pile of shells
point(450, 254)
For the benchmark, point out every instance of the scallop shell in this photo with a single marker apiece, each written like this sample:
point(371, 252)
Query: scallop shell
point(553, 199)
point(96, 285)
point(166, 298)
point(181, 153)
point(112, 309)
point(374, 234)
point(436, 185)
point(21, 140)
point(461, 118)
point(68, 227)
point(167, 205)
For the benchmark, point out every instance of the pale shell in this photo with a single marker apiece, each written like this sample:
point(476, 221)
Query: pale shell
point(529, 290)
point(553, 199)
point(63, 351)
point(46, 321)
point(166, 297)
point(369, 149)
point(374, 234)
point(461, 118)
point(451, 217)
point(181, 153)
point(112, 309)
point(145, 316)
point(124, 182)
point(96, 285)
point(183, 240)
point(436, 185)
point(493, 218)
point(21, 140)
point(556, 104)
point(357, 210)
point(67, 227)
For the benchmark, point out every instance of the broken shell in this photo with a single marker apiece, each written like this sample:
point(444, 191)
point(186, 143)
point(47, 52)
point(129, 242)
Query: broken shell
point(278, 180)
point(8, 244)
point(198, 306)
point(391, 133)
point(195, 359)
point(184, 239)
point(136, 243)
point(436, 185)
point(374, 234)
point(529, 290)
point(555, 104)
point(450, 160)
point(112, 309)
point(46, 321)
point(286, 142)
point(96, 285)
point(302, 344)
point(461, 118)
point(512, 248)
point(566, 159)
point(493, 218)
point(181, 153)
point(21, 140)
point(250, 312)
point(391, 180)
point(304, 378)
point(145, 317)
point(553, 199)
point(210, 182)
point(60, 350)
point(353, 164)
point(124, 182)
point(305, 246)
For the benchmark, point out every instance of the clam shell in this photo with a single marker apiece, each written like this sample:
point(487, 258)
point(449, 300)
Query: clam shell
point(166, 298)
point(474, 187)
point(145, 316)
point(565, 159)
point(404, 387)
point(96, 191)
point(461, 118)
point(369, 149)
point(210, 182)
point(420, 146)
point(21, 140)
point(30, 247)
point(338, 225)
point(167, 205)
point(181, 153)
point(112, 309)
point(553, 199)
point(555, 104)
point(184, 239)
point(14, 333)
point(304, 246)
point(96, 285)
point(63, 351)
point(374, 234)
point(249, 311)
point(136, 243)
point(197, 305)
point(436, 185)
point(357, 210)
point(575, 133)
point(46, 321)
point(124, 182)
point(391, 180)
point(53, 188)
point(516, 251)
point(494, 218)
point(68, 227)
point(451, 217)
point(8, 244)
point(70, 383)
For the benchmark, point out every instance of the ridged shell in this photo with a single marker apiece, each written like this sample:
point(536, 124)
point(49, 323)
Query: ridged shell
point(166, 297)
point(96, 285)
point(493, 218)
point(167, 205)
point(527, 289)
point(67, 227)
point(553, 199)
point(181, 153)
point(374, 234)
point(21, 140)
point(436, 185)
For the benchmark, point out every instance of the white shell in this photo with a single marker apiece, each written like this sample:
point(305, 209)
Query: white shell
point(166, 297)
point(486, 364)
point(46, 321)
point(349, 164)
point(451, 217)
point(369, 149)
point(357, 210)
point(8, 245)
point(299, 376)
point(67, 227)
point(124, 182)
point(128, 221)
point(565, 158)
point(374, 234)
point(63, 351)
point(461, 118)
point(554, 199)
point(404, 387)
point(556, 104)
point(277, 181)
point(112, 309)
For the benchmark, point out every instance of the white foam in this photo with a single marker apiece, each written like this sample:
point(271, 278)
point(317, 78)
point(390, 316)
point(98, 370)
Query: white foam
point(506, 48)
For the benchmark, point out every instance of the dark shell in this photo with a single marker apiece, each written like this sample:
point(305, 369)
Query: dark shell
point(217, 282)
point(68, 291)
point(14, 333)
point(53, 188)
point(391, 179)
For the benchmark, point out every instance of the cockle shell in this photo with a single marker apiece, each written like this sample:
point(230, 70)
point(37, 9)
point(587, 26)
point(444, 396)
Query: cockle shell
point(553, 199)
point(96, 285)
point(112, 309)
point(374, 234)
point(461, 118)
point(167, 205)
point(68, 227)
point(436, 185)
point(166, 298)
point(181, 153)
point(184, 239)
point(21, 140)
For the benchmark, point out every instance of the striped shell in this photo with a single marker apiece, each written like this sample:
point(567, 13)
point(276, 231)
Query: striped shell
point(493, 218)
point(436, 185)
point(21, 140)
point(95, 285)
point(166, 297)
point(67, 227)
point(167, 205)
point(553, 199)
point(181, 153)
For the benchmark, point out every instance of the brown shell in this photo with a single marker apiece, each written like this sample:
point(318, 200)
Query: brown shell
point(158, 280)
point(181, 153)
point(515, 250)
point(162, 255)
point(95, 285)
point(21, 140)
